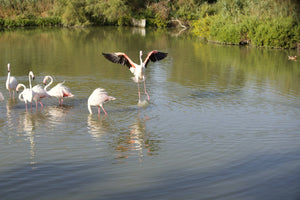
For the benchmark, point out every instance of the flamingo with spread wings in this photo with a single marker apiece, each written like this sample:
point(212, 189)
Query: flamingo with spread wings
point(137, 69)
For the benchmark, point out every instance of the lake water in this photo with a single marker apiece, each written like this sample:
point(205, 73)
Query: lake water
point(223, 122)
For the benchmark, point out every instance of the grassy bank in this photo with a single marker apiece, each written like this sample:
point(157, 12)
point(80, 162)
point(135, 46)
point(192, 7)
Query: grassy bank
point(268, 23)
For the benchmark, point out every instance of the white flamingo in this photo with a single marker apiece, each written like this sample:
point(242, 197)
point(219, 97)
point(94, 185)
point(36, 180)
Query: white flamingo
point(39, 93)
point(11, 82)
point(27, 94)
point(59, 91)
point(137, 70)
point(98, 98)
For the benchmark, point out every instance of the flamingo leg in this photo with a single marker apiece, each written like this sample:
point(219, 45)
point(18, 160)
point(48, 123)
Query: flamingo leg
point(139, 91)
point(99, 111)
point(36, 105)
point(146, 90)
point(26, 106)
point(104, 110)
point(42, 106)
point(60, 101)
point(9, 94)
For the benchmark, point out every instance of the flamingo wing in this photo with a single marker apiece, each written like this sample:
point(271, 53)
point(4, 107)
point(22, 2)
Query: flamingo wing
point(154, 56)
point(66, 91)
point(98, 97)
point(60, 91)
point(40, 92)
point(11, 83)
point(120, 58)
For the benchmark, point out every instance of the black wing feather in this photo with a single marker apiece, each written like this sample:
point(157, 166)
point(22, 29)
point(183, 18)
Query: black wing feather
point(117, 59)
point(156, 56)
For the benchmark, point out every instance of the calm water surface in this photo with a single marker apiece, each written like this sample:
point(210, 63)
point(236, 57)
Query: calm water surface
point(223, 122)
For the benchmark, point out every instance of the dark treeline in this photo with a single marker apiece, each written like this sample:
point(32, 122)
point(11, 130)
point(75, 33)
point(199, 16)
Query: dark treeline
point(272, 23)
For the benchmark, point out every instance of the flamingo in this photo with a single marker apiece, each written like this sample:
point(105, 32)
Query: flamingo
point(97, 98)
point(137, 70)
point(11, 82)
point(39, 93)
point(59, 91)
point(27, 94)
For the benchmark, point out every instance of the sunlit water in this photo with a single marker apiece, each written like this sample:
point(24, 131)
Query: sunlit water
point(222, 121)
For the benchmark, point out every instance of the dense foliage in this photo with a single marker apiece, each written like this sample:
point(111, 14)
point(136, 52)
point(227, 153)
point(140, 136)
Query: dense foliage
point(269, 23)
point(272, 23)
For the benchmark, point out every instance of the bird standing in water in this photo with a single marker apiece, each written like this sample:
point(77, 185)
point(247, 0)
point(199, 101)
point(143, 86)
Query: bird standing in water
point(59, 91)
point(27, 94)
point(137, 69)
point(11, 82)
point(98, 98)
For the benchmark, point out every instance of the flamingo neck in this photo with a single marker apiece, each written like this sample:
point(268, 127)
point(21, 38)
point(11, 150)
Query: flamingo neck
point(141, 60)
point(22, 85)
point(8, 75)
point(51, 81)
point(29, 78)
point(21, 96)
point(89, 108)
point(8, 79)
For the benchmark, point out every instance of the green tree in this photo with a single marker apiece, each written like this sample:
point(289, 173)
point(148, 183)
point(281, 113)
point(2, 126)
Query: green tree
point(74, 14)
point(110, 10)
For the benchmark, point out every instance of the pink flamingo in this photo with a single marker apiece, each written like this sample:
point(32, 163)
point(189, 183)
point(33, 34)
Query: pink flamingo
point(137, 70)
point(39, 93)
point(59, 91)
point(27, 94)
point(97, 98)
point(11, 82)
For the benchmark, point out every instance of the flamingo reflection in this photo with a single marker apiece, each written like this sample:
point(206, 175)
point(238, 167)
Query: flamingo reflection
point(27, 124)
point(96, 127)
point(57, 114)
point(136, 141)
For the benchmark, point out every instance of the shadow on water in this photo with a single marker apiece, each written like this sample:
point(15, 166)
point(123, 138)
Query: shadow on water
point(234, 181)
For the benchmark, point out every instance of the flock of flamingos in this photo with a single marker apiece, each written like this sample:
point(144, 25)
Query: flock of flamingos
point(60, 91)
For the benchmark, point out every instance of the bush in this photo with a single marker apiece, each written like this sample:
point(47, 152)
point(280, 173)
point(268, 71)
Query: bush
point(239, 22)
point(282, 32)
point(74, 14)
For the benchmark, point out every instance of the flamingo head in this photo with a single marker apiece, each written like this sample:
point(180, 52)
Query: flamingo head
point(141, 53)
point(18, 87)
point(110, 98)
point(8, 67)
point(45, 80)
point(32, 75)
